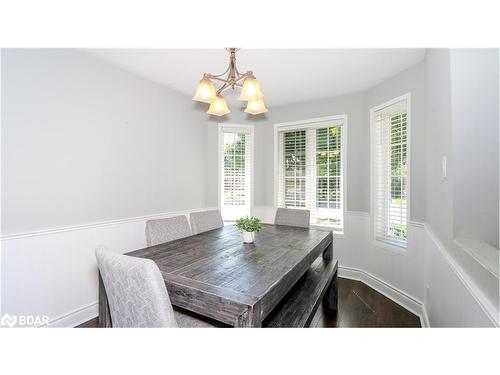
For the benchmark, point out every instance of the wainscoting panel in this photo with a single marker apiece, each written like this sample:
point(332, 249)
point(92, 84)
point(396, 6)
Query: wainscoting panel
point(423, 278)
point(453, 299)
point(54, 272)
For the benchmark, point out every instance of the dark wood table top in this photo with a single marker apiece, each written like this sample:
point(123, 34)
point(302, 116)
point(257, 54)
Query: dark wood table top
point(215, 274)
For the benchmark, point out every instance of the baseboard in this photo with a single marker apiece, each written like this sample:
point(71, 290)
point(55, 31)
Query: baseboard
point(64, 294)
point(401, 298)
point(76, 243)
point(75, 317)
point(424, 318)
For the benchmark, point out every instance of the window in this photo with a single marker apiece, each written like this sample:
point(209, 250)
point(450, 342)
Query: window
point(295, 168)
point(310, 163)
point(390, 185)
point(235, 170)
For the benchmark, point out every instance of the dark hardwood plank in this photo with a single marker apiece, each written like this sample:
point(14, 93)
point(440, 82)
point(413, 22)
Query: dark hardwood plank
point(361, 306)
point(92, 323)
point(388, 313)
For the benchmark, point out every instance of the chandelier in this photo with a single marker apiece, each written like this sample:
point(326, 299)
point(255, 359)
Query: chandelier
point(231, 78)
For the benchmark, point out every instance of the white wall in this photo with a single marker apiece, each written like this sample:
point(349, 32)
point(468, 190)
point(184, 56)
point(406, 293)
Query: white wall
point(474, 104)
point(439, 202)
point(462, 124)
point(357, 155)
point(54, 272)
point(453, 298)
point(411, 80)
point(89, 152)
point(356, 106)
point(412, 277)
point(84, 141)
point(76, 101)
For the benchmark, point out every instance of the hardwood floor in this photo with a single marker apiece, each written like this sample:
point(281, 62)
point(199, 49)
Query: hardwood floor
point(358, 306)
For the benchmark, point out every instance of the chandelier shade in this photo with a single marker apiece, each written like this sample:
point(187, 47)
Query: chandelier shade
point(206, 92)
point(218, 107)
point(256, 107)
point(250, 89)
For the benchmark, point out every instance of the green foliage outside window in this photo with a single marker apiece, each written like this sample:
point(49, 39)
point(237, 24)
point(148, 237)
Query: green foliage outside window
point(399, 170)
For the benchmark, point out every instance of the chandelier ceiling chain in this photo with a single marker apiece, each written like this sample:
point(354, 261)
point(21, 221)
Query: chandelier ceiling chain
point(230, 79)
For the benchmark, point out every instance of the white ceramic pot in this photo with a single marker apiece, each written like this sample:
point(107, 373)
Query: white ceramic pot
point(248, 237)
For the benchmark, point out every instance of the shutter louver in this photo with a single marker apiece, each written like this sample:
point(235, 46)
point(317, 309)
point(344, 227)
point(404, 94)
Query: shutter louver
point(390, 173)
point(236, 174)
point(310, 172)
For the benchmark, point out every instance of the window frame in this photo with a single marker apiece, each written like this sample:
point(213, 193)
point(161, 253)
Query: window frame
point(233, 128)
point(400, 247)
point(314, 123)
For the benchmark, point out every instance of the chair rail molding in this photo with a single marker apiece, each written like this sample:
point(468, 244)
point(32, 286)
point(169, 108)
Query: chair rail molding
point(490, 311)
point(97, 224)
point(53, 272)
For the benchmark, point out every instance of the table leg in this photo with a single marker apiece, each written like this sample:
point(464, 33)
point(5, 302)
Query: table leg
point(331, 297)
point(250, 318)
point(104, 313)
point(328, 253)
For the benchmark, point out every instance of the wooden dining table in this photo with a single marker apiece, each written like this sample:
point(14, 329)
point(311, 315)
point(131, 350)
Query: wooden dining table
point(216, 275)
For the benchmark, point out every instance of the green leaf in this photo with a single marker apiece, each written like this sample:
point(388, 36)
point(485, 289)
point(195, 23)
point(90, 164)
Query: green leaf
point(249, 224)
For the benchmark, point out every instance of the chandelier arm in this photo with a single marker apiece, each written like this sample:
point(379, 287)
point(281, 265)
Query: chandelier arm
point(220, 79)
point(223, 88)
point(231, 78)
point(243, 76)
point(240, 74)
point(210, 75)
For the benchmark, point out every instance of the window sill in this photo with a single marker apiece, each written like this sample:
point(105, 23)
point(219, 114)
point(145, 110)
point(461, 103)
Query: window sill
point(482, 252)
point(391, 246)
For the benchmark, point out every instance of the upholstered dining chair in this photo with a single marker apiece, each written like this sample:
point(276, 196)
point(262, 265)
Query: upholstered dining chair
point(292, 217)
point(137, 296)
point(204, 221)
point(165, 230)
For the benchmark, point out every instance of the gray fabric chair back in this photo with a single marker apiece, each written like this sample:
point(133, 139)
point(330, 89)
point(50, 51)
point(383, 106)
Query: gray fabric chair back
point(136, 292)
point(292, 217)
point(206, 220)
point(165, 230)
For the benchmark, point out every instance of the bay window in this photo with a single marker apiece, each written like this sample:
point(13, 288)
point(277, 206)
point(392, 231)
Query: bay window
point(310, 165)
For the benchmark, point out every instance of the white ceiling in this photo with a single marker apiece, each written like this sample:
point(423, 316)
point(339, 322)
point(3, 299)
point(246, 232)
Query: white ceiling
point(286, 75)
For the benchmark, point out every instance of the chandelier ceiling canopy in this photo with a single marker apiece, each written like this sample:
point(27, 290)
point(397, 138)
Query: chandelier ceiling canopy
point(230, 79)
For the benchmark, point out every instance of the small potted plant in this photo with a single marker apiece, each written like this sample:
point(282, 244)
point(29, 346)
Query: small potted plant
point(249, 225)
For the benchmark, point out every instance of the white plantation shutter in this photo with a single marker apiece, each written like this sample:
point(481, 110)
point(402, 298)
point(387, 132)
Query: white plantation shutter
point(236, 158)
point(310, 171)
point(390, 173)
